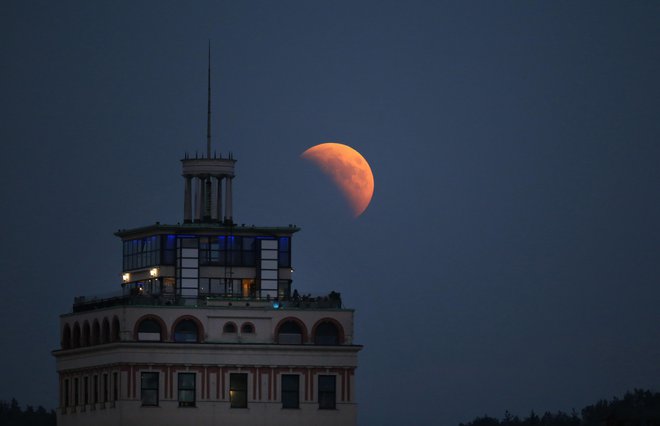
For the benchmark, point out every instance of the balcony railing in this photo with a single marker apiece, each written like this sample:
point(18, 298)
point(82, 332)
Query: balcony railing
point(133, 298)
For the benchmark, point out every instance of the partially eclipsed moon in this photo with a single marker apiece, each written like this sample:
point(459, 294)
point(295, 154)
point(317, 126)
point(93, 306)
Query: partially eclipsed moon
point(348, 169)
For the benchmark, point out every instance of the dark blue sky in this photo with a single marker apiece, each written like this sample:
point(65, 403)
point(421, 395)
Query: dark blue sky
point(510, 258)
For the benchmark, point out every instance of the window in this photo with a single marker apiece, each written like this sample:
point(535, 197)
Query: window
point(247, 328)
point(143, 252)
point(149, 330)
point(95, 390)
point(327, 333)
point(284, 252)
point(327, 391)
point(185, 331)
point(228, 250)
point(230, 327)
point(149, 388)
point(105, 387)
point(187, 389)
point(75, 391)
point(238, 390)
point(290, 391)
point(290, 333)
point(86, 390)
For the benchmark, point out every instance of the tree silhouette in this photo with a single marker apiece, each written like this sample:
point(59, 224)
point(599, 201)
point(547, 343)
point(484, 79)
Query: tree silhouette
point(12, 415)
point(637, 408)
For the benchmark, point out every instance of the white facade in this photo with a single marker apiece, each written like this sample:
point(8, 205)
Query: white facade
point(206, 330)
point(108, 374)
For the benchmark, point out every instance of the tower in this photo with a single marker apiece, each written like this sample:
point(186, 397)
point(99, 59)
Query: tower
point(205, 326)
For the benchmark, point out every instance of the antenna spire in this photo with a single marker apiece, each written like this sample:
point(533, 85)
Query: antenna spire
point(208, 119)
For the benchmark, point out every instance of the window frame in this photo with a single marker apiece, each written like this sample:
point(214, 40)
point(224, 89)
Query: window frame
point(193, 388)
point(236, 391)
point(287, 389)
point(149, 388)
point(327, 398)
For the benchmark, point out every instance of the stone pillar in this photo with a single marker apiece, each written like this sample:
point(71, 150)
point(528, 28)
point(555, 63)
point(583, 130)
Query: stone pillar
point(218, 198)
point(228, 206)
point(187, 200)
point(208, 199)
point(199, 198)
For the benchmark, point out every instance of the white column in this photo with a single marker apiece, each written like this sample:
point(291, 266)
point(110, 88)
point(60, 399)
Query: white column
point(218, 198)
point(228, 206)
point(199, 199)
point(187, 201)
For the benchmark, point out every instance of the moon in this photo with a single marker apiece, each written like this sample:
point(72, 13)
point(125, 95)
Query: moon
point(348, 169)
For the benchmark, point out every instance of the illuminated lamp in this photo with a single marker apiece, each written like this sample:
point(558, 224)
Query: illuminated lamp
point(126, 277)
point(276, 305)
point(153, 272)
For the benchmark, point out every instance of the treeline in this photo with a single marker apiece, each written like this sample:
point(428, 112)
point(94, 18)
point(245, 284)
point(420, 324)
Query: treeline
point(11, 414)
point(638, 408)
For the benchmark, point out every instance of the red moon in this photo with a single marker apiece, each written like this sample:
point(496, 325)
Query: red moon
point(348, 169)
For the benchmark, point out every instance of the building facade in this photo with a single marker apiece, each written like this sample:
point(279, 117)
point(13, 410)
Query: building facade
point(207, 328)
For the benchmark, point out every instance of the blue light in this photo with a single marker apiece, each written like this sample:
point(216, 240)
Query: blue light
point(276, 305)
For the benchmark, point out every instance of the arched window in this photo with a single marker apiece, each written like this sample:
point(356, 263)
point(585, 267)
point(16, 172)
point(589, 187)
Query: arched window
point(66, 337)
point(85, 334)
point(229, 327)
point(247, 328)
point(150, 330)
point(76, 336)
point(105, 331)
point(186, 331)
point(327, 333)
point(290, 333)
point(96, 332)
point(114, 337)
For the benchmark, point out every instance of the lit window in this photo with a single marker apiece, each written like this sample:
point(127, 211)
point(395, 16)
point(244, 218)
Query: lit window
point(187, 389)
point(238, 390)
point(290, 391)
point(327, 392)
point(149, 389)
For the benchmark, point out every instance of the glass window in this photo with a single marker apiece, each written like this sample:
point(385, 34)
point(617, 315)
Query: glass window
point(290, 334)
point(149, 388)
point(284, 252)
point(238, 390)
point(187, 389)
point(326, 334)
point(185, 331)
point(327, 392)
point(247, 328)
point(230, 327)
point(290, 391)
point(149, 330)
